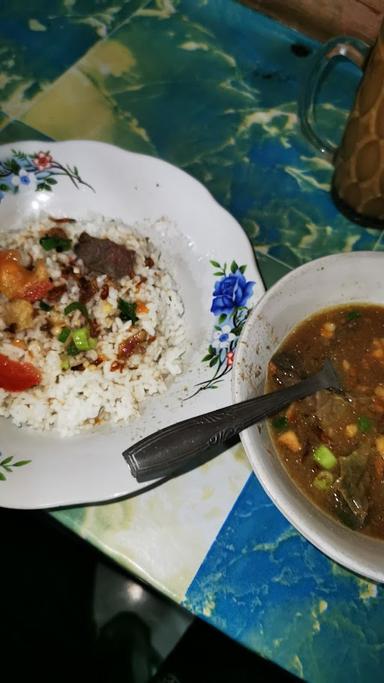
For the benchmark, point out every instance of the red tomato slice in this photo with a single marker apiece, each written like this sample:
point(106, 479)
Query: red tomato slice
point(17, 376)
point(34, 291)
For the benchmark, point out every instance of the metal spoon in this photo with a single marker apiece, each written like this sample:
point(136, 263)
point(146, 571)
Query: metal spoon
point(172, 448)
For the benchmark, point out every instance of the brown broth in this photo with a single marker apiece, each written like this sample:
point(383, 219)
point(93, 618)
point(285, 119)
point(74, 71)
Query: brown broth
point(349, 425)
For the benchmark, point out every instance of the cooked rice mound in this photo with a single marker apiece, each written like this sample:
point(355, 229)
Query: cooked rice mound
point(129, 360)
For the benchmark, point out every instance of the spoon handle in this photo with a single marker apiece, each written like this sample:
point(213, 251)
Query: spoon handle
point(172, 448)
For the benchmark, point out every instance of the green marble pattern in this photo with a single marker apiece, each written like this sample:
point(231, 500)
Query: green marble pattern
point(39, 41)
point(16, 131)
point(217, 99)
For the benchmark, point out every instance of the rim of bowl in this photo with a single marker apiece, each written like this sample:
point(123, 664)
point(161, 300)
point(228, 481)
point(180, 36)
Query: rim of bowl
point(291, 514)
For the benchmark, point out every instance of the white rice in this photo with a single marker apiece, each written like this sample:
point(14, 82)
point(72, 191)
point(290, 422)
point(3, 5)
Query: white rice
point(67, 401)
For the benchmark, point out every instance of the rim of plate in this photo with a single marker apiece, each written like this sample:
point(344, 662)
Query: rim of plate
point(120, 150)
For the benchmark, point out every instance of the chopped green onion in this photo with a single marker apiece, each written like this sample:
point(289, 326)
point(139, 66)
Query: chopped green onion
point(280, 422)
point(64, 363)
point(50, 242)
point(72, 349)
point(44, 306)
point(323, 481)
point(364, 424)
point(353, 315)
point(77, 306)
point(324, 457)
point(64, 334)
point(127, 311)
point(81, 338)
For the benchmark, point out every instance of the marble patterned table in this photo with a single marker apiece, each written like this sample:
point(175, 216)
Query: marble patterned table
point(212, 87)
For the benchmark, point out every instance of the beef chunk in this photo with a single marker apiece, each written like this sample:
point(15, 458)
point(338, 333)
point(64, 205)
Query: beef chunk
point(333, 409)
point(56, 293)
point(87, 288)
point(288, 368)
point(353, 487)
point(57, 232)
point(334, 412)
point(105, 256)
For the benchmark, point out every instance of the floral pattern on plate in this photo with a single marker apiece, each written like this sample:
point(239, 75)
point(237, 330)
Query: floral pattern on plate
point(7, 465)
point(231, 294)
point(37, 171)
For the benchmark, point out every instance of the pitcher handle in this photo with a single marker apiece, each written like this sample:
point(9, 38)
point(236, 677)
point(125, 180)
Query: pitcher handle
point(356, 51)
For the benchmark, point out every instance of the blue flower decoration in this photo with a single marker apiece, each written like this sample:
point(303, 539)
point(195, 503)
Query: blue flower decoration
point(232, 291)
point(229, 305)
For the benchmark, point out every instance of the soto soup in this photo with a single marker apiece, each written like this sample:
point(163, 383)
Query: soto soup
point(332, 444)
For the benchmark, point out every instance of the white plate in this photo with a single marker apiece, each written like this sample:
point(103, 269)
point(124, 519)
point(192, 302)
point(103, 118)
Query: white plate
point(93, 177)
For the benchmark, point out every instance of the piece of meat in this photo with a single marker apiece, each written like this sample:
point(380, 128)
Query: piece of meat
point(116, 365)
point(104, 292)
point(67, 272)
point(288, 368)
point(135, 344)
point(47, 327)
point(105, 256)
point(56, 293)
point(353, 487)
point(88, 289)
point(307, 428)
point(333, 413)
point(78, 368)
point(94, 328)
point(332, 408)
point(56, 232)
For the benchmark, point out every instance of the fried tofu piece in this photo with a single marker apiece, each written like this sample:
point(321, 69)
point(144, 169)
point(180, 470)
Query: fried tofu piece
point(20, 313)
